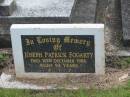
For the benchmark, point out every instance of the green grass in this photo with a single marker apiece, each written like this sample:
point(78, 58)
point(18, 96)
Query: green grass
point(118, 62)
point(122, 91)
point(3, 57)
point(125, 63)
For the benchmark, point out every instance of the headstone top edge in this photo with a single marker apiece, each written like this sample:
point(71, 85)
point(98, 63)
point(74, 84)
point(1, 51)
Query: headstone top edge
point(42, 26)
point(6, 2)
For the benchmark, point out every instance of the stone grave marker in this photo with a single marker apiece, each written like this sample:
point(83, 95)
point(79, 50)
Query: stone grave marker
point(125, 6)
point(40, 11)
point(58, 50)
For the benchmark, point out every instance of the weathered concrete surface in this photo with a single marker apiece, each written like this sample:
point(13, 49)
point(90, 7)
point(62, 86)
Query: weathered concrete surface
point(101, 10)
point(7, 7)
point(5, 41)
point(125, 6)
point(43, 8)
point(4, 36)
point(113, 30)
point(1, 1)
point(85, 11)
point(41, 11)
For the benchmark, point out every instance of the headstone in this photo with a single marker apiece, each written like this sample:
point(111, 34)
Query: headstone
point(41, 11)
point(7, 7)
point(58, 50)
point(125, 6)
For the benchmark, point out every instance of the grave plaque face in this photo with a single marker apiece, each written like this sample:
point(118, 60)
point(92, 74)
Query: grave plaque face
point(58, 50)
point(59, 54)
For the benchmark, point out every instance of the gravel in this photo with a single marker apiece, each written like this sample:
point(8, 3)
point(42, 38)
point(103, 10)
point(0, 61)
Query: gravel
point(7, 81)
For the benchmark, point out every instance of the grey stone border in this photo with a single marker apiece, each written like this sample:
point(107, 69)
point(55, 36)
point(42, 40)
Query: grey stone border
point(55, 29)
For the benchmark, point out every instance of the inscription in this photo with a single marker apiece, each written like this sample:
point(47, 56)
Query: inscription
point(59, 53)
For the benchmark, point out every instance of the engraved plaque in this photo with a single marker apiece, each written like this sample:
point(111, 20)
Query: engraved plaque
point(58, 53)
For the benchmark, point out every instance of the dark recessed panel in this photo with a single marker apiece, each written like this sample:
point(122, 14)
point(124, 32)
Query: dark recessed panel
point(59, 53)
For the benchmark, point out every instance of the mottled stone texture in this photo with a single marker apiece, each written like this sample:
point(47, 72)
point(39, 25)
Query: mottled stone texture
point(125, 6)
point(4, 35)
point(85, 11)
point(101, 10)
point(7, 7)
point(114, 16)
point(1, 1)
point(40, 11)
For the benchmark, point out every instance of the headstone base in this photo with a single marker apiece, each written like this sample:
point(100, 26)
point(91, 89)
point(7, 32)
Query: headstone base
point(7, 7)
